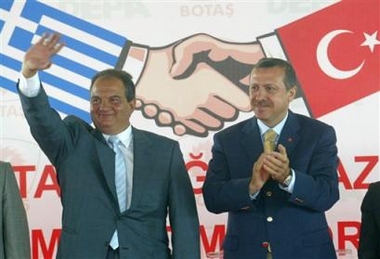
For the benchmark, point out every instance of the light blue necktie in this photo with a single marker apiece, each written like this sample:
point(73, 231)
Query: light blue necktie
point(120, 181)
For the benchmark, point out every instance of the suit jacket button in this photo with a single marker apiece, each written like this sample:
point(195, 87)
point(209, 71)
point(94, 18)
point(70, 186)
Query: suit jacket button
point(269, 219)
point(269, 193)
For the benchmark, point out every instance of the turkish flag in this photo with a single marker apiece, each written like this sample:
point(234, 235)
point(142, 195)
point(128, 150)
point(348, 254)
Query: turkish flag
point(335, 52)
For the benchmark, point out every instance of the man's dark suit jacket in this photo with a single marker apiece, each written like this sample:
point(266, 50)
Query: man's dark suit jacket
point(369, 242)
point(294, 224)
point(14, 230)
point(85, 171)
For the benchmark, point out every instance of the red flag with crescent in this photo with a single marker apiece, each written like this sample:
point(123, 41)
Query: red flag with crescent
point(336, 54)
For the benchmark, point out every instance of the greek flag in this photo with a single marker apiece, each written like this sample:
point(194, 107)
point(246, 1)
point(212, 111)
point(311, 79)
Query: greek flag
point(89, 48)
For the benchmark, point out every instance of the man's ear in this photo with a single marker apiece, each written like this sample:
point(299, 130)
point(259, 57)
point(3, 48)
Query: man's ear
point(292, 93)
point(132, 104)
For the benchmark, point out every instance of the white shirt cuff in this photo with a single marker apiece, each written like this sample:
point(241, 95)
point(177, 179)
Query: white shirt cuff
point(253, 196)
point(29, 86)
point(290, 188)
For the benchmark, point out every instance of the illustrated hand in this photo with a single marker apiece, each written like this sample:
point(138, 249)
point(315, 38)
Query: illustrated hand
point(259, 175)
point(190, 105)
point(277, 164)
point(38, 57)
point(198, 72)
point(234, 60)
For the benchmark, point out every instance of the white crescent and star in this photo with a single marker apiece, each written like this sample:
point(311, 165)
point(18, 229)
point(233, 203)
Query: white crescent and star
point(324, 62)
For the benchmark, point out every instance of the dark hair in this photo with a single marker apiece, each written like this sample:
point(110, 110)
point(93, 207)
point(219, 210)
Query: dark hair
point(125, 77)
point(290, 79)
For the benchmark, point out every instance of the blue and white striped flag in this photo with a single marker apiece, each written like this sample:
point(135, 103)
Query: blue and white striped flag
point(89, 48)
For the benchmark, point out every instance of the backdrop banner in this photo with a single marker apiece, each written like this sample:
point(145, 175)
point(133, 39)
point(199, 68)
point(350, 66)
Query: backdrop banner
point(190, 61)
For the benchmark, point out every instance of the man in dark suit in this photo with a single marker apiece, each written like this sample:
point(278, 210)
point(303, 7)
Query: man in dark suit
point(94, 225)
point(369, 242)
point(14, 230)
point(275, 199)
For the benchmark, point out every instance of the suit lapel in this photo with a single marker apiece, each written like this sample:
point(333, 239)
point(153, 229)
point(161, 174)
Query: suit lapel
point(251, 139)
point(290, 133)
point(106, 158)
point(143, 160)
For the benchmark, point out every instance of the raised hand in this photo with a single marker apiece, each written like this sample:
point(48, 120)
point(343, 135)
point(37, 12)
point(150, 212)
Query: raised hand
point(39, 55)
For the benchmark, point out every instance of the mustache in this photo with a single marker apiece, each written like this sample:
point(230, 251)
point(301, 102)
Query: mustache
point(261, 103)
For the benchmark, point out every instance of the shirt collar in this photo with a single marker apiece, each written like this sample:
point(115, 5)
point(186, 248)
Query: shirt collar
point(124, 136)
point(278, 128)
